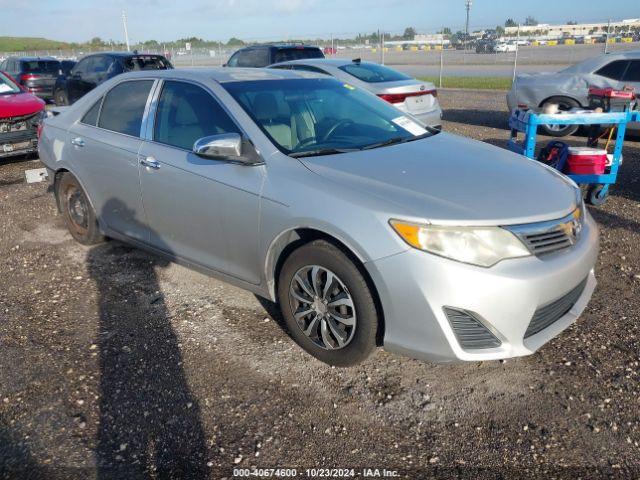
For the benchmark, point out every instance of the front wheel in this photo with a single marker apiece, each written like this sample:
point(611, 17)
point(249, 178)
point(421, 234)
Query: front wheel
point(564, 105)
point(327, 304)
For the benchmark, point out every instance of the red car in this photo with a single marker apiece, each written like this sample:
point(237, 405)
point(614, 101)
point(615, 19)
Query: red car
point(20, 115)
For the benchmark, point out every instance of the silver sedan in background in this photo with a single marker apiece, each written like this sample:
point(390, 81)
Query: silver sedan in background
point(420, 99)
point(569, 88)
point(367, 228)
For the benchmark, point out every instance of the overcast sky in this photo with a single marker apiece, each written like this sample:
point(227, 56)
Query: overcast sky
point(79, 20)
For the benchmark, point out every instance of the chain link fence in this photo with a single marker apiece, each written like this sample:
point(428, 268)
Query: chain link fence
point(437, 62)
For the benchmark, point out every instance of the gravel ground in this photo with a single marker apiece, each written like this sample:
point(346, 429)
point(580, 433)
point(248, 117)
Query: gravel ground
point(116, 364)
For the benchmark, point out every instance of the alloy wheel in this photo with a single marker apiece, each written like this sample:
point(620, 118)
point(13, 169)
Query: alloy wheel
point(322, 307)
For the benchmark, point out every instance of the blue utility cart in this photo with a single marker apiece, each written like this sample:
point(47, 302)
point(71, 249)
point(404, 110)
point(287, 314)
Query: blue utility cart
point(527, 122)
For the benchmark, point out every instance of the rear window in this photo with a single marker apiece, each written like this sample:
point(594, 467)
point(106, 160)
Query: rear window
point(146, 62)
point(123, 107)
point(297, 53)
point(40, 66)
point(373, 73)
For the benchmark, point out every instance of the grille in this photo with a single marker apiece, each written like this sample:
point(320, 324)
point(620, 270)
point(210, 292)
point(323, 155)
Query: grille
point(549, 314)
point(547, 237)
point(21, 118)
point(471, 334)
point(549, 241)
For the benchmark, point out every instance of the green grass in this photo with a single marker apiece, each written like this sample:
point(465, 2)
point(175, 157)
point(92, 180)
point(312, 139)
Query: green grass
point(21, 44)
point(476, 83)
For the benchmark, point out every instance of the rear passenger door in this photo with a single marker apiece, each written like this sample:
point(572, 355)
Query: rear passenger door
point(105, 145)
point(205, 211)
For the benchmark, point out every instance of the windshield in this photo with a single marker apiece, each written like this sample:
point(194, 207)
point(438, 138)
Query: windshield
point(40, 66)
point(373, 73)
point(7, 87)
point(297, 53)
point(321, 116)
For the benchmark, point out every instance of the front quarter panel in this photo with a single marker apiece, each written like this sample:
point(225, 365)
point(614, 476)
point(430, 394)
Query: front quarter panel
point(296, 198)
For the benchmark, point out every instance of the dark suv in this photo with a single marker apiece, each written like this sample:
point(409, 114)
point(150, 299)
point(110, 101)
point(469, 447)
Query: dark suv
point(95, 69)
point(36, 74)
point(260, 56)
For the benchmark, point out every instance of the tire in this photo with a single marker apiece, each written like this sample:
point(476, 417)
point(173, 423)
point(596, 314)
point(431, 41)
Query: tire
point(76, 210)
point(349, 288)
point(60, 98)
point(564, 104)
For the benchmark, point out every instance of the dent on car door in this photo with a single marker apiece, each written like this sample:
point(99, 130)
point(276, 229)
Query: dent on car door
point(105, 157)
point(205, 211)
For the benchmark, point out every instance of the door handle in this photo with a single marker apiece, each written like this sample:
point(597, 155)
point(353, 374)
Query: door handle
point(149, 162)
point(78, 142)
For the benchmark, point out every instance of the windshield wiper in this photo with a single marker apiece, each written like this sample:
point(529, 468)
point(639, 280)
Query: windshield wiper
point(396, 140)
point(391, 141)
point(323, 151)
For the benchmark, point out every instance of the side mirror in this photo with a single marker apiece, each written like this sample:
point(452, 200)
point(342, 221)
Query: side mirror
point(227, 146)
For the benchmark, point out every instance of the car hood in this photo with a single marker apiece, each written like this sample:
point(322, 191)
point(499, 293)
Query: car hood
point(19, 104)
point(446, 179)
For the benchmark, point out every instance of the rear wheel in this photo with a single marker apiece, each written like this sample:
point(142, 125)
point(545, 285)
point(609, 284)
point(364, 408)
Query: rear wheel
point(77, 211)
point(564, 104)
point(327, 304)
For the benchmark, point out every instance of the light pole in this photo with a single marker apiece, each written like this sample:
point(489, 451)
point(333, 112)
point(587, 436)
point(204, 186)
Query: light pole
point(126, 32)
point(468, 4)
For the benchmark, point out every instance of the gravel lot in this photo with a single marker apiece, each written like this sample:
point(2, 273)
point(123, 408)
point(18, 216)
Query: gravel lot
point(115, 364)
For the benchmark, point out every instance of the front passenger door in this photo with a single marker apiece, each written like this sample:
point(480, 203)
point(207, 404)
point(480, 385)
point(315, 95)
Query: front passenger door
point(205, 211)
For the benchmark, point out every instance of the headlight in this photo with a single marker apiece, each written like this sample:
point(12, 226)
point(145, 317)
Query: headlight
point(482, 246)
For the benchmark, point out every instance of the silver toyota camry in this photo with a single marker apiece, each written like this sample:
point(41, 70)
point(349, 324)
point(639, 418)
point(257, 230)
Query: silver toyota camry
point(367, 229)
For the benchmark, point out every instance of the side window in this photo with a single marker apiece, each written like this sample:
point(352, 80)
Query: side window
point(257, 57)
point(187, 113)
point(123, 107)
point(82, 66)
point(91, 117)
point(233, 61)
point(633, 72)
point(100, 64)
point(614, 70)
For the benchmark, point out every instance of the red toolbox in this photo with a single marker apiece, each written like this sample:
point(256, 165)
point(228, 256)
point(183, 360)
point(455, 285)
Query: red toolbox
point(586, 161)
point(611, 100)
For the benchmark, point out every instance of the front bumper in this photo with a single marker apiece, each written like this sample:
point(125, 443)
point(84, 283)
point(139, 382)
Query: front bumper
point(18, 143)
point(415, 286)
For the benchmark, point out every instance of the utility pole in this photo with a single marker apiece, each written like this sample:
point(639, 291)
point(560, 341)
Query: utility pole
point(606, 40)
point(468, 4)
point(126, 32)
point(515, 61)
point(382, 48)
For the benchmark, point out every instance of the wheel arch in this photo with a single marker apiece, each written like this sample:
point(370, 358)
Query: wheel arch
point(295, 238)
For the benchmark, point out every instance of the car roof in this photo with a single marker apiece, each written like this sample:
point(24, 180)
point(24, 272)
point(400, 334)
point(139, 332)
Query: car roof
point(124, 54)
point(587, 66)
point(280, 46)
point(335, 62)
point(224, 74)
point(32, 59)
